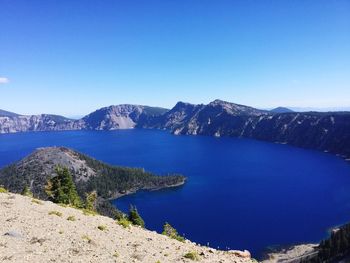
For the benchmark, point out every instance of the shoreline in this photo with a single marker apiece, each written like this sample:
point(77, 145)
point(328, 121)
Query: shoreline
point(150, 189)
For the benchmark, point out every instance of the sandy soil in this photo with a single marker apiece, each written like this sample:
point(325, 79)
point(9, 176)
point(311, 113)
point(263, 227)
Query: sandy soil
point(28, 233)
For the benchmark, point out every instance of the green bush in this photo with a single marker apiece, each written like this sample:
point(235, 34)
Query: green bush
point(71, 218)
point(90, 202)
point(88, 212)
point(36, 201)
point(135, 218)
point(171, 232)
point(3, 190)
point(87, 238)
point(56, 213)
point(193, 255)
point(26, 191)
point(102, 227)
point(124, 222)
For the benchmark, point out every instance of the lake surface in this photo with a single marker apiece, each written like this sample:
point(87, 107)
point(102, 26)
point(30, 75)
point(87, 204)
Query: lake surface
point(240, 194)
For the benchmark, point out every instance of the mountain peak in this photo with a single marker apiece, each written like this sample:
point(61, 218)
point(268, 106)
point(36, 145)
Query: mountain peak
point(182, 103)
point(281, 110)
point(233, 108)
point(218, 101)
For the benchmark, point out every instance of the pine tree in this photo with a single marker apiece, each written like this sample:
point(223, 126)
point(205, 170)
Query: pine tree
point(171, 232)
point(91, 199)
point(135, 217)
point(61, 188)
point(26, 191)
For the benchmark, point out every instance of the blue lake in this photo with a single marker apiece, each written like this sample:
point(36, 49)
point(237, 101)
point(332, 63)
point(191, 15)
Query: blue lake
point(241, 193)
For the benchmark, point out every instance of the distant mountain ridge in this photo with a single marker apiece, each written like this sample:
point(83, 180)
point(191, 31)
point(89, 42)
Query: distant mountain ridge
point(281, 110)
point(125, 116)
point(5, 113)
point(325, 131)
point(42, 122)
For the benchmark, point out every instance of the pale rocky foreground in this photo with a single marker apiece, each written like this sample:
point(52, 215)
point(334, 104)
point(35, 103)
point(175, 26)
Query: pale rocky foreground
point(29, 234)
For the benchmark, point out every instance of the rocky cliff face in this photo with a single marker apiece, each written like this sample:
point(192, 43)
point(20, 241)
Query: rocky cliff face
point(113, 117)
point(43, 122)
point(209, 119)
point(322, 131)
point(328, 132)
point(124, 116)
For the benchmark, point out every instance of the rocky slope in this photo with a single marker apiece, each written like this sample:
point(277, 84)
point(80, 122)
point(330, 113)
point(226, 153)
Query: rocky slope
point(31, 232)
point(88, 174)
point(186, 118)
point(321, 131)
point(124, 116)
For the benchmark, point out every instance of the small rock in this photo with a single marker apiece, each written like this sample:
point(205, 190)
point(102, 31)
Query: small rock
point(242, 254)
point(13, 234)
point(138, 256)
point(93, 243)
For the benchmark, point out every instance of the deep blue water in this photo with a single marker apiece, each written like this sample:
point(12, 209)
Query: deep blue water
point(241, 193)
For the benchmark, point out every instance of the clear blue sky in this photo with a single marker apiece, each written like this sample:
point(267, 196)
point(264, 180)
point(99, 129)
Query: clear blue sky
point(71, 57)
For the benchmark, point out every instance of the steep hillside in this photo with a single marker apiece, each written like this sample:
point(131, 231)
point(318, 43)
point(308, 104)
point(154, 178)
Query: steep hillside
point(321, 131)
point(189, 117)
point(207, 119)
point(88, 174)
point(124, 116)
point(39, 231)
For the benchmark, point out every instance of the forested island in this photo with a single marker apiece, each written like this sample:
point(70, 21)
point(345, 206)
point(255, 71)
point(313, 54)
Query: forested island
point(89, 175)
